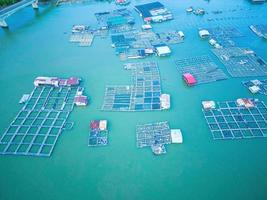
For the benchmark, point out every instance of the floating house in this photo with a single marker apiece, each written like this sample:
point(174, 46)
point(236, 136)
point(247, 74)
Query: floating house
point(41, 80)
point(165, 102)
point(247, 103)
point(181, 34)
point(204, 33)
point(153, 12)
point(103, 125)
point(122, 2)
point(146, 27)
point(78, 28)
point(207, 105)
point(72, 81)
point(162, 50)
point(80, 100)
point(176, 136)
point(254, 89)
point(189, 79)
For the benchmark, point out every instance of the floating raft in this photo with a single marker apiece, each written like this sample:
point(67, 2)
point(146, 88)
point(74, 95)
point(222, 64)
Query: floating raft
point(157, 135)
point(144, 95)
point(256, 86)
point(241, 62)
point(116, 21)
point(244, 118)
point(260, 30)
point(38, 125)
point(224, 36)
point(98, 135)
point(201, 68)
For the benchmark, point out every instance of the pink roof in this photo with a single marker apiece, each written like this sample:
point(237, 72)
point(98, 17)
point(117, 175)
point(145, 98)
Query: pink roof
point(80, 99)
point(73, 81)
point(94, 124)
point(189, 79)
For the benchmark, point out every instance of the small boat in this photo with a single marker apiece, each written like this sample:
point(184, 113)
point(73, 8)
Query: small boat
point(190, 9)
point(24, 98)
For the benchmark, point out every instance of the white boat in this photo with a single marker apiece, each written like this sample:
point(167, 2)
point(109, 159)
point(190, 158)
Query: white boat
point(24, 98)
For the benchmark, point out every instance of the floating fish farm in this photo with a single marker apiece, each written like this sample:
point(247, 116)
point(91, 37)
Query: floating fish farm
point(260, 30)
point(144, 95)
point(256, 86)
point(116, 21)
point(241, 62)
point(244, 118)
point(154, 135)
point(98, 135)
point(38, 125)
point(202, 68)
point(82, 35)
point(224, 36)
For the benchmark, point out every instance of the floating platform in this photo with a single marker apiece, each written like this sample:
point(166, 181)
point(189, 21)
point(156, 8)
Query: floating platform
point(244, 118)
point(260, 30)
point(225, 35)
point(38, 125)
point(241, 62)
point(98, 135)
point(201, 68)
point(116, 21)
point(256, 86)
point(143, 95)
point(157, 135)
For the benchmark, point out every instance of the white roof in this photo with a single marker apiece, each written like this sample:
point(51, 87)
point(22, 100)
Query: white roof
point(204, 33)
point(254, 89)
point(163, 50)
point(208, 104)
point(176, 136)
point(146, 26)
point(256, 82)
point(181, 34)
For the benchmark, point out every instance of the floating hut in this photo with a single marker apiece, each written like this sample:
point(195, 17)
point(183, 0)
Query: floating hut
point(189, 79)
point(165, 101)
point(154, 12)
point(41, 80)
point(254, 89)
point(162, 50)
point(247, 103)
point(204, 33)
point(176, 136)
point(81, 100)
point(207, 105)
point(146, 27)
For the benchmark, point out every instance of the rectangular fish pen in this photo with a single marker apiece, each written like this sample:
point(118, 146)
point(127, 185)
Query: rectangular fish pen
point(241, 62)
point(202, 68)
point(154, 135)
point(143, 95)
point(244, 118)
point(225, 35)
point(256, 86)
point(38, 125)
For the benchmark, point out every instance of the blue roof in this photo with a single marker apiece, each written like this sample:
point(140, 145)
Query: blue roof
point(144, 9)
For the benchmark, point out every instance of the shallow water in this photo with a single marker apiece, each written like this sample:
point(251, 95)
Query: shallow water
point(37, 44)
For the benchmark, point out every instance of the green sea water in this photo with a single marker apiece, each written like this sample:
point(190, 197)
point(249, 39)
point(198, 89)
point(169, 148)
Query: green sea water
point(200, 168)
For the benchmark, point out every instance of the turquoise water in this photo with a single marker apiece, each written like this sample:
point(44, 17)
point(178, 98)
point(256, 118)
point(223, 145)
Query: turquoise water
point(200, 168)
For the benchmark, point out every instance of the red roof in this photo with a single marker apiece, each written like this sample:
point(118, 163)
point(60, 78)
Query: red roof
point(94, 124)
point(189, 79)
point(80, 99)
point(73, 81)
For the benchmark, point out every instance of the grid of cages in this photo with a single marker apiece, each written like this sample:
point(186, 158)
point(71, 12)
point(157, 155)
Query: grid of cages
point(34, 132)
point(202, 68)
point(143, 95)
point(241, 62)
point(148, 135)
point(224, 35)
point(261, 86)
point(98, 137)
point(117, 21)
point(36, 128)
point(231, 121)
